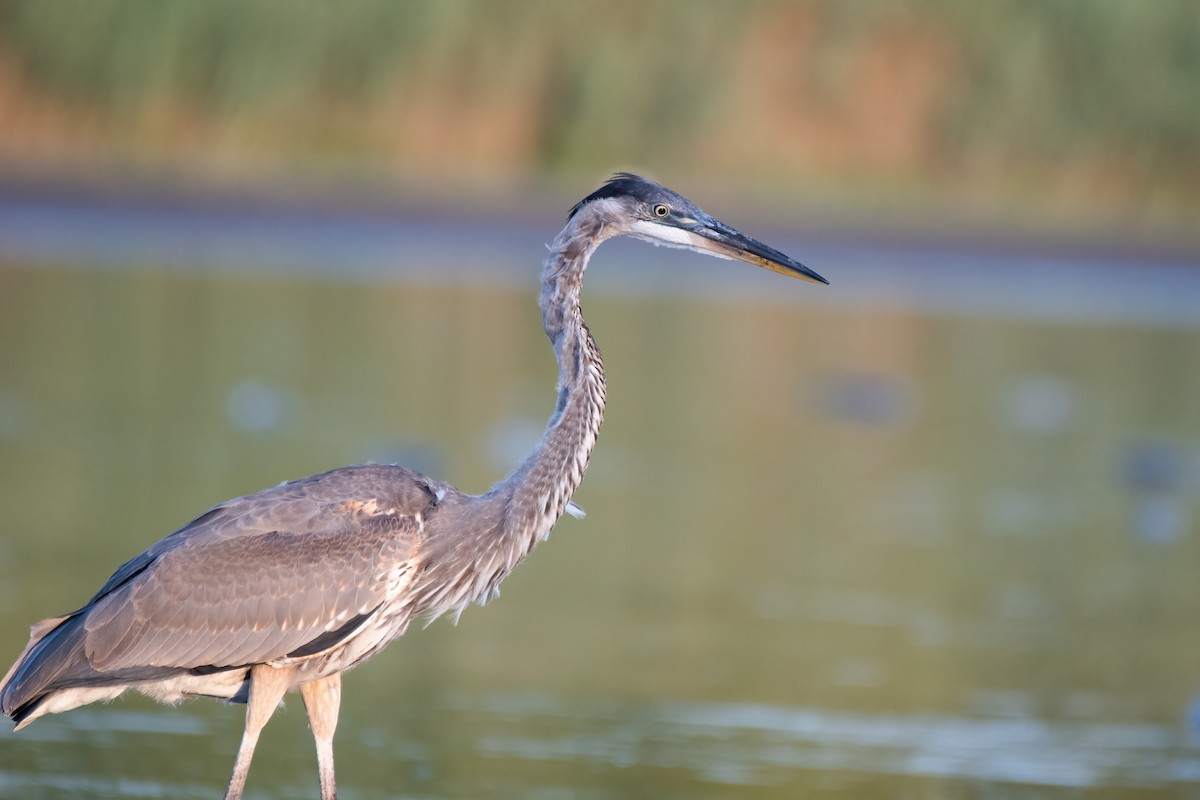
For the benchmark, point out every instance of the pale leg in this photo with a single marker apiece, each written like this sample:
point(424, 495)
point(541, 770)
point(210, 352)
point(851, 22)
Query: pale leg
point(267, 685)
point(322, 698)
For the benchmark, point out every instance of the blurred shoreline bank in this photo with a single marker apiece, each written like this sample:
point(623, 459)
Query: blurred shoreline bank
point(393, 231)
point(534, 206)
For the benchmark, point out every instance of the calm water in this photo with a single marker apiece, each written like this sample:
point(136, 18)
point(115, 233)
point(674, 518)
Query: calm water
point(930, 532)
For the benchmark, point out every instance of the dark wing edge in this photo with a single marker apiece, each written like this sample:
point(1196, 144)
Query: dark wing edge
point(139, 563)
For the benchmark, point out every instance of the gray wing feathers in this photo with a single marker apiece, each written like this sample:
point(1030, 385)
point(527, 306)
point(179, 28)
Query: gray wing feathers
point(230, 601)
point(293, 569)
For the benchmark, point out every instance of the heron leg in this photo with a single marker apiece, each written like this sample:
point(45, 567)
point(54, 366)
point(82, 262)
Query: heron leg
point(322, 698)
point(267, 685)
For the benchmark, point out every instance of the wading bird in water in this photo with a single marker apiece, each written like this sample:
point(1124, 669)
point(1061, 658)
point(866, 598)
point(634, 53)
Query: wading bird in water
point(290, 587)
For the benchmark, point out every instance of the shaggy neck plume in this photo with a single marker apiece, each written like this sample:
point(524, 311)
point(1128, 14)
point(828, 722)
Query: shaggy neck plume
point(543, 485)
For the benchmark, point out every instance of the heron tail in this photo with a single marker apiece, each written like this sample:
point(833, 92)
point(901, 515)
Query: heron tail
point(54, 652)
point(53, 673)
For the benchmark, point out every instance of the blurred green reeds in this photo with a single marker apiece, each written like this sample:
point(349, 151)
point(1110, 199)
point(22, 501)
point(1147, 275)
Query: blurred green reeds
point(1079, 106)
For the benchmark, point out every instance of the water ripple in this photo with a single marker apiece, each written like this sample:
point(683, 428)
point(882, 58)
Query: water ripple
point(750, 744)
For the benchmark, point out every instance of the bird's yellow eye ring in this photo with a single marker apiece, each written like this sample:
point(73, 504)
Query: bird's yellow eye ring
point(661, 210)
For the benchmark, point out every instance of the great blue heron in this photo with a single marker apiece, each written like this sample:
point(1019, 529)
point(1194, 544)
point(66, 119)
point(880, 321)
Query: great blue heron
point(290, 587)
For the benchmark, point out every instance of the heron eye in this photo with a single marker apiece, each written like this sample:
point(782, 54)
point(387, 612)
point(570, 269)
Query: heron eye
point(661, 210)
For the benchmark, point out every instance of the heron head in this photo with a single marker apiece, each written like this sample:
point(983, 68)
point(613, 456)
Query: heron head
point(653, 213)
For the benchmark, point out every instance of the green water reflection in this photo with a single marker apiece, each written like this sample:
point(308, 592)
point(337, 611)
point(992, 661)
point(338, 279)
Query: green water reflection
point(848, 552)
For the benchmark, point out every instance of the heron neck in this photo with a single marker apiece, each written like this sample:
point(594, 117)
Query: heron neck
point(544, 483)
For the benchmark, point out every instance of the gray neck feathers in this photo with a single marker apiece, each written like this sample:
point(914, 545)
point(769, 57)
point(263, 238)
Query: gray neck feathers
point(492, 533)
point(542, 486)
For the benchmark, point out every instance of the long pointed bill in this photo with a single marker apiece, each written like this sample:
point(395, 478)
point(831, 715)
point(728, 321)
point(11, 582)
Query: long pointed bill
point(717, 238)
